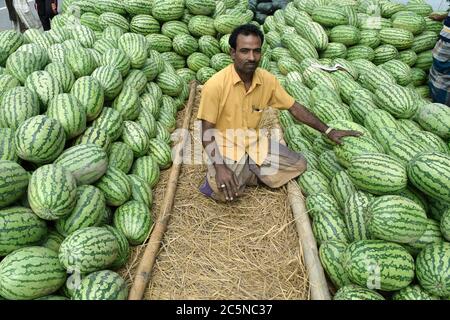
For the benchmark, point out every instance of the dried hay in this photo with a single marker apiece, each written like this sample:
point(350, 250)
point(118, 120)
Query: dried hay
point(245, 250)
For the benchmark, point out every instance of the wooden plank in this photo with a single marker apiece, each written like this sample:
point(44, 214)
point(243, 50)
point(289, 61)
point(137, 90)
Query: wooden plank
point(145, 267)
point(317, 280)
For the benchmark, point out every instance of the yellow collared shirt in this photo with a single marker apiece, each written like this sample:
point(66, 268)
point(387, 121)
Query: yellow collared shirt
point(237, 113)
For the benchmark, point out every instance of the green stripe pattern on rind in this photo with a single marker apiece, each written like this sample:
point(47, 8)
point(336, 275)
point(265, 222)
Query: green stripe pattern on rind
point(435, 117)
point(40, 139)
point(136, 138)
point(7, 146)
point(430, 141)
point(52, 192)
point(354, 146)
point(88, 210)
point(115, 186)
point(162, 153)
point(111, 122)
point(86, 162)
point(62, 73)
point(328, 164)
point(413, 292)
point(102, 285)
point(140, 190)
point(433, 269)
point(127, 103)
point(430, 173)
point(404, 150)
point(120, 156)
point(118, 59)
point(318, 203)
point(52, 241)
point(312, 182)
point(397, 100)
point(328, 226)
point(432, 234)
point(30, 273)
point(88, 250)
point(147, 122)
point(90, 94)
point(69, 112)
point(396, 219)
point(377, 264)
point(110, 79)
point(94, 135)
point(354, 292)
point(147, 168)
point(19, 227)
point(134, 220)
point(377, 173)
point(13, 182)
point(17, 105)
point(356, 216)
point(124, 248)
point(330, 254)
point(341, 187)
point(445, 224)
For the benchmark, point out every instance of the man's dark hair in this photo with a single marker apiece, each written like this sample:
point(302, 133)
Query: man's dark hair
point(245, 29)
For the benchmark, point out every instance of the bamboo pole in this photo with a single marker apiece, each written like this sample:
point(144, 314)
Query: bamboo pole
point(151, 251)
point(317, 280)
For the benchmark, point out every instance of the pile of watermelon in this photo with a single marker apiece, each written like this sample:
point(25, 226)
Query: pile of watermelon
point(379, 203)
point(86, 115)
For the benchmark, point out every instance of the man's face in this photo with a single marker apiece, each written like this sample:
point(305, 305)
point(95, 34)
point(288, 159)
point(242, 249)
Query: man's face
point(247, 54)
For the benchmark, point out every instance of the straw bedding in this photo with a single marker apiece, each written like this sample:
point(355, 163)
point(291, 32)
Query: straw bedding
point(245, 250)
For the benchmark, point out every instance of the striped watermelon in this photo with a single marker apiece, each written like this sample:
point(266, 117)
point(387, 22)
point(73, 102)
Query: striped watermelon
point(124, 248)
point(162, 153)
point(312, 182)
point(399, 38)
point(377, 264)
point(138, 7)
point(108, 19)
point(354, 146)
point(356, 215)
point(7, 147)
point(147, 168)
point(30, 273)
point(170, 83)
point(369, 38)
point(399, 70)
point(204, 74)
point(96, 136)
point(67, 110)
point(320, 202)
point(20, 227)
point(144, 24)
point(378, 119)
point(89, 249)
point(328, 164)
point(415, 24)
point(329, 226)
point(86, 162)
point(134, 220)
point(435, 117)
point(17, 105)
point(110, 79)
point(445, 224)
point(136, 47)
point(431, 235)
point(153, 65)
point(118, 59)
point(167, 10)
point(329, 16)
point(433, 269)
point(136, 137)
point(62, 73)
point(430, 173)
point(377, 173)
point(396, 100)
point(404, 150)
point(80, 61)
point(151, 100)
point(374, 77)
point(330, 254)
point(90, 94)
point(102, 285)
point(52, 192)
point(120, 156)
point(140, 190)
point(396, 219)
point(39, 139)
point(345, 34)
point(197, 60)
point(110, 121)
point(44, 85)
point(88, 210)
point(127, 103)
point(341, 187)
point(11, 41)
point(407, 56)
point(209, 45)
point(159, 42)
point(136, 79)
point(115, 186)
point(413, 292)
point(354, 292)
point(21, 64)
point(202, 26)
point(299, 47)
point(429, 141)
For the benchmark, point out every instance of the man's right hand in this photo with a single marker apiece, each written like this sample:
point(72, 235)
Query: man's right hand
point(227, 182)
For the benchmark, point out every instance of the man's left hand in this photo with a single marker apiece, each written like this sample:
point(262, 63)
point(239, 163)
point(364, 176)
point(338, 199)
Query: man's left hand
point(336, 135)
